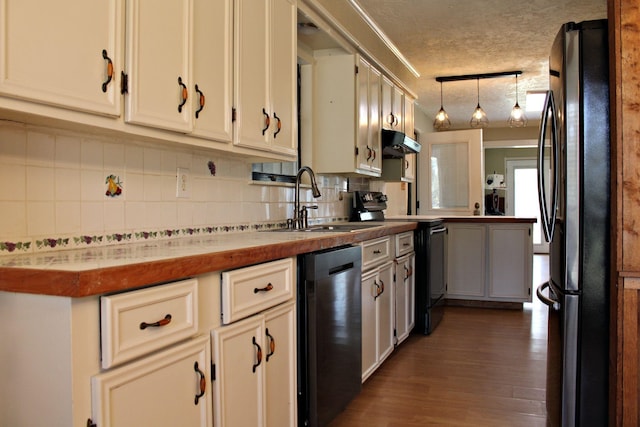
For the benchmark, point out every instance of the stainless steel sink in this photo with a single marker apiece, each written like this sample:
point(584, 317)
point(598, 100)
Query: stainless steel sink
point(329, 228)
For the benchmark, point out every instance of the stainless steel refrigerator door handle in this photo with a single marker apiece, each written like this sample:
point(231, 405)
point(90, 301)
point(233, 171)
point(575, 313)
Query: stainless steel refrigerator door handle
point(543, 298)
point(548, 218)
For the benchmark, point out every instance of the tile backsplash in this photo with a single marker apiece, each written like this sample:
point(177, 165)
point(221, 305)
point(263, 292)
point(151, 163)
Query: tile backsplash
point(60, 189)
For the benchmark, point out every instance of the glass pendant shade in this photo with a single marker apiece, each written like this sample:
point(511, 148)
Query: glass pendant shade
point(517, 119)
point(442, 121)
point(479, 117)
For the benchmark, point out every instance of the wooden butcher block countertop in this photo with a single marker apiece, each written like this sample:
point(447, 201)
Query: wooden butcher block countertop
point(106, 269)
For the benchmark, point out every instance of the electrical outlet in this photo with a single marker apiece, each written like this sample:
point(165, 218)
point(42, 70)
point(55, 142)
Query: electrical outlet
point(183, 183)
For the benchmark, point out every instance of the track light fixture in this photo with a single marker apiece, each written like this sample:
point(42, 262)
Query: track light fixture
point(479, 117)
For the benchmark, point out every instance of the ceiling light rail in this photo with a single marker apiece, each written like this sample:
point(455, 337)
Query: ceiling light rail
point(478, 76)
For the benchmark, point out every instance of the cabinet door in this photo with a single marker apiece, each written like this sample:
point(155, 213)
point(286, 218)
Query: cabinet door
point(52, 52)
point(385, 311)
point(158, 63)
point(369, 324)
point(171, 388)
point(466, 260)
point(280, 358)
point(284, 123)
point(405, 297)
point(409, 167)
point(365, 151)
point(392, 106)
point(374, 133)
point(212, 84)
point(510, 261)
point(239, 385)
point(251, 73)
point(408, 116)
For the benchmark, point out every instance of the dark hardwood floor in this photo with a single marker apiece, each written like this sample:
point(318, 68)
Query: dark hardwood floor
point(480, 367)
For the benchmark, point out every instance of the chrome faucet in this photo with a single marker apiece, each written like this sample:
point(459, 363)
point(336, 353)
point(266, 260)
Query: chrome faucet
point(300, 218)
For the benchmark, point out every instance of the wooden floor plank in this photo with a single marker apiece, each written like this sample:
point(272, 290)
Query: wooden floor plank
point(480, 367)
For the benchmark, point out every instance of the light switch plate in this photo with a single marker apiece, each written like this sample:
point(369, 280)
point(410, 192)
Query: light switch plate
point(183, 183)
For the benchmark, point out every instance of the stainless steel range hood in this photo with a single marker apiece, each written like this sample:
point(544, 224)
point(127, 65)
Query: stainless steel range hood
point(397, 144)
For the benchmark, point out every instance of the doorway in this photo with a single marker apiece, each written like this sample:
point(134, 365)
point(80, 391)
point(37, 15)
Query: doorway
point(522, 196)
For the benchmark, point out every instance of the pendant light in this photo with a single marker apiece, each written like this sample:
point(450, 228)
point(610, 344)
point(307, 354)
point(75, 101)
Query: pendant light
point(517, 119)
point(442, 121)
point(479, 117)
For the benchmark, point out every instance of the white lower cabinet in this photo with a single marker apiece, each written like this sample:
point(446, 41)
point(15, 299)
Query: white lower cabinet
point(170, 388)
point(377, 317)
point(255, 376)
point(490, 262)
point(254, 351)
point(405, 296)
point(466, 250)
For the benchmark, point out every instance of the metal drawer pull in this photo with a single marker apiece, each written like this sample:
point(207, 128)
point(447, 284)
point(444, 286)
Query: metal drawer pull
point(184, 94)
point(203, 382)
point(408, 272)
point(272, 344)
point(258, 354)
point(267, 121)
point(275, 116)
point(109, 70)
point(377, 251)
point(163, 322)
point(377, 290)
point(201, 101)
point(265, 289)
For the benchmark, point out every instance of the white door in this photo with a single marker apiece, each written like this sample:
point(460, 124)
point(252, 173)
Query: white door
point(522, 196)
point(450, 173)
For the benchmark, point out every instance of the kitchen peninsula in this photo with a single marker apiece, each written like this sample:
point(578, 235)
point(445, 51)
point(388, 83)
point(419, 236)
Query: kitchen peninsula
point(489, 259)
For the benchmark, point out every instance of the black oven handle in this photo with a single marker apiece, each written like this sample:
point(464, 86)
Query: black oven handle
point(437, 230)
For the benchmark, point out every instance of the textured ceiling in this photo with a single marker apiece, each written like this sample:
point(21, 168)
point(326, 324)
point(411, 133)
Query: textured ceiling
point(458, 37)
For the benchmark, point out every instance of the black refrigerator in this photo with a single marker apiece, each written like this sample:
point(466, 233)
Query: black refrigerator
point(574, 191)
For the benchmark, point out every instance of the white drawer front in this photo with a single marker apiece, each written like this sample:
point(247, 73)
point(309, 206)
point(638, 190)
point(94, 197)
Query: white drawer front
point(375, 252)
point(139, 322)
point(249, 290)
point(404, 243)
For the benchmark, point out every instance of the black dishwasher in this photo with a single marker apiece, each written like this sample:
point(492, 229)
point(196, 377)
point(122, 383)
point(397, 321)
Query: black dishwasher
point(329, 333)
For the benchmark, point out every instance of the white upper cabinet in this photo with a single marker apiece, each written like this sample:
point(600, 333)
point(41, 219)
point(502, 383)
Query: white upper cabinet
point(392, 106)
point(158, 63)
point(265, 75)
point(212, 86)
point(65, 53)
point(346, 115)
point(408, 116)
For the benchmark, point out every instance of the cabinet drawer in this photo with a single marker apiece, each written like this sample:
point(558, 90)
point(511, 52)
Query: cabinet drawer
point(249, 290)
point(139, 322)
point(375, 252)
point(404, 243)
